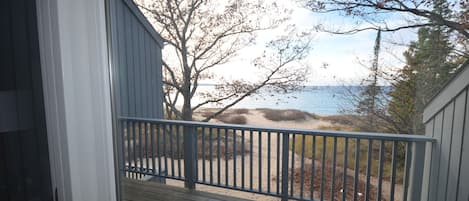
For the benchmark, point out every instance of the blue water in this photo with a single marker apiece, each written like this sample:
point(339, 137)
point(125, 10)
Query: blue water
point(324, 100)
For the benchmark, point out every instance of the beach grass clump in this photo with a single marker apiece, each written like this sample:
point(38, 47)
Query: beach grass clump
point(285, 115)
point(240, 111)
point(230, 117)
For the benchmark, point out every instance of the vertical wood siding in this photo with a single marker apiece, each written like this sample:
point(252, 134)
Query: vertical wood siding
point(447, 120)
point(136, 61)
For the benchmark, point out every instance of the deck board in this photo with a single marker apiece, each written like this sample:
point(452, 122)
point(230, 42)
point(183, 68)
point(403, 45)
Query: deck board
point(134, 190)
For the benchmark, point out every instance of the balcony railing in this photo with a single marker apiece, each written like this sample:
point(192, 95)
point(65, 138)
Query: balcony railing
point(286, 163)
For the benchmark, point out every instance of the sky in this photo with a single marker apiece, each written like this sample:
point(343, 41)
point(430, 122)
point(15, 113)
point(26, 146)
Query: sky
point(341, 53)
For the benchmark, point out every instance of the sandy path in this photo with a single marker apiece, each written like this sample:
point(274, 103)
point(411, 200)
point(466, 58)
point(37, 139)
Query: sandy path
point(255, 118)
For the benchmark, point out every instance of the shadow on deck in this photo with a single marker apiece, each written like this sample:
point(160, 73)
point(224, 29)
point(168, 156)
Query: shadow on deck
point(134, 190)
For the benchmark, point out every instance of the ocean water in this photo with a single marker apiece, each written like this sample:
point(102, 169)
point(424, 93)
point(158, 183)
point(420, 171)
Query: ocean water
point(323, 100)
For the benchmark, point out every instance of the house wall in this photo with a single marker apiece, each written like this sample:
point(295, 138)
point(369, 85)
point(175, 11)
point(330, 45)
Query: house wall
point(136, 57)
point(136, 62)
point(446, 118)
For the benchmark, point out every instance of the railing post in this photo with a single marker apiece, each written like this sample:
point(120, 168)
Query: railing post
point(190, 160)
point(415, 176)
point(285, 149)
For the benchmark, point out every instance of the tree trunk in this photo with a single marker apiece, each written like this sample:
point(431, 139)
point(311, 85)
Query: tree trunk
point(186, 110)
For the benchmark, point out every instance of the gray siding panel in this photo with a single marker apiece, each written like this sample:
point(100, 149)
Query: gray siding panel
point(429, 128)
point(445, 150)
point(447, 120)
point(137, 63)
point(434, 172)
point(457, 132)
point(463, 187)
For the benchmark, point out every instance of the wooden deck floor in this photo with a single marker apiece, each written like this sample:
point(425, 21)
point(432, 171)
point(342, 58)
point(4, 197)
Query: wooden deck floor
point(134, 190)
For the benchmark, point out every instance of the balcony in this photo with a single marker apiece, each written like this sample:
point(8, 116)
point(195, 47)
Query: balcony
point(272, 162)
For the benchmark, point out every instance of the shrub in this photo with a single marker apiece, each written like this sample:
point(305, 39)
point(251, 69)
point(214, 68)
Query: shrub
point(232, 119)
point(285, 115)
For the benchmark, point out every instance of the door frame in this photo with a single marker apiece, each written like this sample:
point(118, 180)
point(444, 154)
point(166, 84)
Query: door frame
point(75, 72)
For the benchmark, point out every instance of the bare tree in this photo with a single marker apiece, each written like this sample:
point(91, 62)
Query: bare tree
point(372, 11)
point(204, 34)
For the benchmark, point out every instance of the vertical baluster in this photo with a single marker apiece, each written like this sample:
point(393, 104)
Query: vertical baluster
point(152, 144)
point(323, 166)
point(292, 177)
point(234, 158)
point(368, 169)
point(334, 163)
point(123, 129)
point(178, 150)
point(158, 144)
point(250, 159)
point(243, 167)
point(218, 156)
point(268, 162)
point(196, 153)
point(313, 160)
point(171, 149)
point(357, 167)
point(226, 157)
point(380, 170)
point(203, 154)
point(393, 171)
point(134, 133)
point(278, 163)
point(140, 150)
point(165, 131)
point(146, 148)
point(129, 145)
point(211, 153)
point(302, 167)
point(260, 160)
point(344, 179)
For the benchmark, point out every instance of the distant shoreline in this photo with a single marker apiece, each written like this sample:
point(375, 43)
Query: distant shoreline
point(322, 100)
point(284, 118)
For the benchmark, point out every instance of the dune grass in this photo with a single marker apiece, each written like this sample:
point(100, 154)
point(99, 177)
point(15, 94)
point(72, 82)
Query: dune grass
point(285, 115)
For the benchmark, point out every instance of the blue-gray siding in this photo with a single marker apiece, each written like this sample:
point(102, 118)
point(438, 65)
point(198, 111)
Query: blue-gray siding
point(136, 61)
point(447, 119)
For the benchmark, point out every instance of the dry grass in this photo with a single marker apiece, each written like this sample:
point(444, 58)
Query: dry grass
point(239, 111)
point(350, 120)
point(351, 154)
point(315, 179)
point(169, 141)
point(285, 115)
point(234, 116)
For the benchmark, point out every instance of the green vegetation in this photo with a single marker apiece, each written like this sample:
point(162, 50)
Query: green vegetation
point(430, 64)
